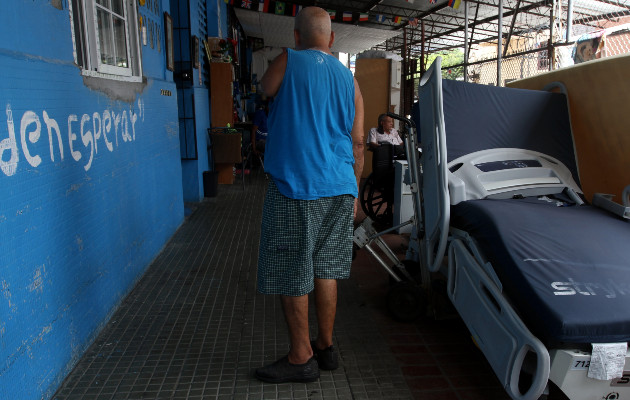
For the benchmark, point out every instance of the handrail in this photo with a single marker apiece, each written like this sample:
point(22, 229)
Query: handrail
point(434, 160)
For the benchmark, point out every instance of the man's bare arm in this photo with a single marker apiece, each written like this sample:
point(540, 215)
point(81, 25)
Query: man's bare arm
point(272, 79)
point(358, 146)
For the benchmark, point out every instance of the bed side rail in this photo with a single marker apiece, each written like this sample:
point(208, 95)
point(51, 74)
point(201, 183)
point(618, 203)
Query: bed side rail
point(505, 173)
point(606, 202)
point(434, 167)
point(500, 334)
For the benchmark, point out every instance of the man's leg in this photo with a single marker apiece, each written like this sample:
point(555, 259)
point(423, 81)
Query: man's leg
point(296, 315)
point(274, 265)
point(299, 365)
point(326, 306)
point(331, 261)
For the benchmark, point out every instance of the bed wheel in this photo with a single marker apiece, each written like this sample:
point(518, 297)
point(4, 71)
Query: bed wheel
point(405, 301)
point(412, 267)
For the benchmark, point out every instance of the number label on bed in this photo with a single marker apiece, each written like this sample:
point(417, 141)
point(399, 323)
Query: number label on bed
point(623, 381)
point(581, 364)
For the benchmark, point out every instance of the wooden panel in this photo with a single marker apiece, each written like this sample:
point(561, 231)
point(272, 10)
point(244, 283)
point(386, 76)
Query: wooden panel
point(226, 173)
point(373, 77)
point(226, 147)
point(221, 94)
point(599, 93)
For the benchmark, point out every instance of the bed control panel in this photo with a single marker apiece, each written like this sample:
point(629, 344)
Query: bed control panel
point(505, 173)
point(507, 164)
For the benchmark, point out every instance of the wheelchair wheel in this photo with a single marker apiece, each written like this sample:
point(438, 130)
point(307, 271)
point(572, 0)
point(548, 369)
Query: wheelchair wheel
point(375, 203)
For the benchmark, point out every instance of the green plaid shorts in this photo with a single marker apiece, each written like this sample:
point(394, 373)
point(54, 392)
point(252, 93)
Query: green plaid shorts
point(303, 239)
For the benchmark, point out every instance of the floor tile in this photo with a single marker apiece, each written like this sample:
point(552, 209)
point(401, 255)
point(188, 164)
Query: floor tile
point(195, 327)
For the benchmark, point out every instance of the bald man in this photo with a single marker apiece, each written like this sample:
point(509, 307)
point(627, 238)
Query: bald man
point(314, 156)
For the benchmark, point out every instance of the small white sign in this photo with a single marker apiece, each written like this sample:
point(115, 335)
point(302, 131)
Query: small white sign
point(607, 361)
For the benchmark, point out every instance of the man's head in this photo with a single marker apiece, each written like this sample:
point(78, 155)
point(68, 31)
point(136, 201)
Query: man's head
point(385, 123)
point(313, 29)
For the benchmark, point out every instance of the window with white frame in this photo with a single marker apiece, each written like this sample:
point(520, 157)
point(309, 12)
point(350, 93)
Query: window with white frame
point(106, 41)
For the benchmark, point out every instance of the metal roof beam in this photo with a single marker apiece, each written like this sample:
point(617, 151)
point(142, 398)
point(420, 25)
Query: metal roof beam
point(493, 18)
point(509, 36)
point(614, 3)
point(586, 20)
point(371, 5)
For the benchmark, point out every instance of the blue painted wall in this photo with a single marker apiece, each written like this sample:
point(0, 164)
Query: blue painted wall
point(216, 22)
point(217, 18)
point(192, 170)
point(90, 191)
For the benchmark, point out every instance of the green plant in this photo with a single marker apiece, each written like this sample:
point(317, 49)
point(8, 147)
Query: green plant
point(449, 58)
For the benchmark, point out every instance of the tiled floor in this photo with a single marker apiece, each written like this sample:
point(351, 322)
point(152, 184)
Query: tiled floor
point(194, 327)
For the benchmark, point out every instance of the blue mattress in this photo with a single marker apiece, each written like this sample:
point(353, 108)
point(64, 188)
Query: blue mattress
point(566, 270)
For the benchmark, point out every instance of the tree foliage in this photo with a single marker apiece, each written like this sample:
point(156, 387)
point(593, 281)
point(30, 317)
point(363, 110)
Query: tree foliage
point(453, 57)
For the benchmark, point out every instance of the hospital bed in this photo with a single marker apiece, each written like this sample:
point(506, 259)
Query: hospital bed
point(541, 279)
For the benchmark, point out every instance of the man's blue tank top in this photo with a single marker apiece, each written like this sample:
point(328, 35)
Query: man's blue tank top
point(309, 147)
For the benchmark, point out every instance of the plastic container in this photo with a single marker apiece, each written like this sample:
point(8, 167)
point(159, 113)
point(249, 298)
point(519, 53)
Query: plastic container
point(210, 183)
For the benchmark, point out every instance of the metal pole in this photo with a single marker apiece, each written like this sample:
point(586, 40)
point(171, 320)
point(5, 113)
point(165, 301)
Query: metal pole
point(423, 62)
point(550, 49)
point(499, 42)
point(403, 78)
point(472, 32)
point(569, 21)
point(465, 40)
point(509, 35)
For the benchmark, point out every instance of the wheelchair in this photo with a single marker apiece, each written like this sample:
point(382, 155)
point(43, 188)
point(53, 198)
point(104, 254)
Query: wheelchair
point(406, 299)
point(377, 193)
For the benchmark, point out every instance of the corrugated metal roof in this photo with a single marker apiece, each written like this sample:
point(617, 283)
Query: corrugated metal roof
point(443, 25)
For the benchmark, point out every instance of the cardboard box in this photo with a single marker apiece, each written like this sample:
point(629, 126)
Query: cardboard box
point(214, 43)
point(226, 151)
point(226, 148)
point(225, 173)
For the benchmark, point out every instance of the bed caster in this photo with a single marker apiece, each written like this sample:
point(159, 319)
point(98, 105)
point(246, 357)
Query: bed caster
point(413, 269)
point(405, 301)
